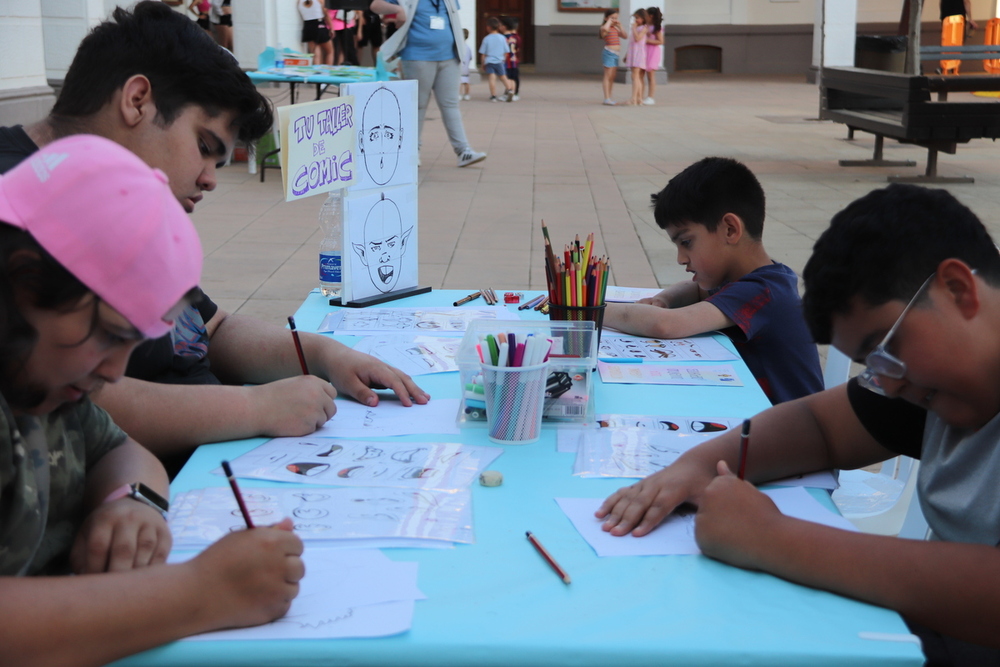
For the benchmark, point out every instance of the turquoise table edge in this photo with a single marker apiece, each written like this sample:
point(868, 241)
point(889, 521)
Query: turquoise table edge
point(513, 611)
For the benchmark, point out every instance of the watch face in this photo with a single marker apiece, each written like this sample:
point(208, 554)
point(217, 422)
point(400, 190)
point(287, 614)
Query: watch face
point(145, 494)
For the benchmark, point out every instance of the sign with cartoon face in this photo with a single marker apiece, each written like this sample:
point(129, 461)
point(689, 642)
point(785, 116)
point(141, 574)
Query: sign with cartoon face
point(386, 115)
point(380, 253)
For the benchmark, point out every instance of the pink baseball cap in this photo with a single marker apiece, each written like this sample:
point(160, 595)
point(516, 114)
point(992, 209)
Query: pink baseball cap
point(111, 220)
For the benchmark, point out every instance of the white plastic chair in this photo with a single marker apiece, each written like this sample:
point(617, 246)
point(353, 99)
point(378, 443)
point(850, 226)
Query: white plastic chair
point(882, 503)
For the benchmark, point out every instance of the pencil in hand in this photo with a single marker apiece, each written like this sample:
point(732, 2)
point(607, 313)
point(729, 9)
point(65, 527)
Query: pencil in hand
point(236, 492)
point(298, 345)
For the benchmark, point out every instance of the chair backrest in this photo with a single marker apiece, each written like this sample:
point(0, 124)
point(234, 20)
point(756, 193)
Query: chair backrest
point(837, 369)
point(992, 38)
point(952, 34)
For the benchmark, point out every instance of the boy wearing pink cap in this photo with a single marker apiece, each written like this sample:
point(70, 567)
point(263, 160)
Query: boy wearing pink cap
point(155, 83)
point(96, 254)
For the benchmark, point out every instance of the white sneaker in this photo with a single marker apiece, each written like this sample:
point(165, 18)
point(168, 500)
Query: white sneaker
point(494, 98)
point(508, 96)
point(516, 98)
point(610, 102)
point(467, 97)
point(649, 101)
point(470, 157)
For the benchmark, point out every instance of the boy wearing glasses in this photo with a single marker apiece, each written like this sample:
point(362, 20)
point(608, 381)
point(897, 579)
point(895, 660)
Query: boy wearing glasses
point(907, 281)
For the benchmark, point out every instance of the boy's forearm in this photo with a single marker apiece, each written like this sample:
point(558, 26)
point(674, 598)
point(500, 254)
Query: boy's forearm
point(647, 320)
point(679, 295)
point(949, 587)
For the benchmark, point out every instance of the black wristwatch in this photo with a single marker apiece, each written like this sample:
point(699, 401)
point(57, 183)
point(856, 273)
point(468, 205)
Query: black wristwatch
point(142, 493)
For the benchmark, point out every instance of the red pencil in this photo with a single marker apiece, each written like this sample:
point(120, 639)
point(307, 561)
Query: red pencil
point(236, 492)
point(548, 558)
point(744, 446)
point(298, 345)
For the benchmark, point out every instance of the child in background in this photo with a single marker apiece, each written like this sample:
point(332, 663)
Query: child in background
point(514, 57)
point(636, 58)
point(654, 52)
point(493, 50)
point(463, 88)
point(714, 214)
point(612, 33)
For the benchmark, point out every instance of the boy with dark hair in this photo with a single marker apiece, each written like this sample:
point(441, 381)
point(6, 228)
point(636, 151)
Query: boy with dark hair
point(906, 281)
point(152, 81)
point(513, 59)
point(714, 214)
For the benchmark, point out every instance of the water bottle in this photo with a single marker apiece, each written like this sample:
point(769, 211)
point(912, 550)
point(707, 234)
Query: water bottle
point(331, 221)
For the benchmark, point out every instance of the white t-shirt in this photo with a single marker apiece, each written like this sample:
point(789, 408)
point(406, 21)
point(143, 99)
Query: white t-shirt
point(312, 12)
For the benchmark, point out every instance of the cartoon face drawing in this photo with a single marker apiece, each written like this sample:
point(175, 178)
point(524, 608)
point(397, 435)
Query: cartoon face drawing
point(381, 137)
point(384, 244)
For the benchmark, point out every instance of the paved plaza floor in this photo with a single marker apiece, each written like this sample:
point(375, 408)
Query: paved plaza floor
point(558, 155)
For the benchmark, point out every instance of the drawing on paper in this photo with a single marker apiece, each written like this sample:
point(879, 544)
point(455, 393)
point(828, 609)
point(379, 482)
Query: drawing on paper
point(384, 246)
point(380, 229)
point(381, 135)
point(361, 463)
point(201, 516)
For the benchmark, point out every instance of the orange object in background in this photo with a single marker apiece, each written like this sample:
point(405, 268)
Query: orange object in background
point(992, 38)
point(952, 34)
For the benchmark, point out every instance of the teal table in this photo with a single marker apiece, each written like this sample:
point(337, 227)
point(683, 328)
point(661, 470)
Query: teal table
point(497, 603)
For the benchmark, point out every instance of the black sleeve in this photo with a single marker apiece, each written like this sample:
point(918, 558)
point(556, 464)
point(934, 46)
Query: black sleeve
point(896, 424)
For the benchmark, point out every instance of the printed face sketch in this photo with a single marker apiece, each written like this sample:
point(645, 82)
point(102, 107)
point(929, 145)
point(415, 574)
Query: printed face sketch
point(307, 469)
point(334, 449)
point(707, 427)
point(310, 512)
point(384, 244)
point(381, 135)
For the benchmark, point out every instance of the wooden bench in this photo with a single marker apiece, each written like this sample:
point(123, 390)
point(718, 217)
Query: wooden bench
point(900, 106)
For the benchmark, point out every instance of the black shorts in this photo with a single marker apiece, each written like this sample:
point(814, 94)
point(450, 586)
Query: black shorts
point(204, 23)
point(226, 19)
point(371, 33)
point(315, 31)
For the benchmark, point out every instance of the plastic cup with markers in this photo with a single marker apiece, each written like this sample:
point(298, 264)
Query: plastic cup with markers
point(514, 373)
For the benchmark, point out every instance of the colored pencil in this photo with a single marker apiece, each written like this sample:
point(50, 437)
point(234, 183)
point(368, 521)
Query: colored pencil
point(236, 492)
point(298, 345)
point(744, 446)
point(467, 299)
point(548, 557)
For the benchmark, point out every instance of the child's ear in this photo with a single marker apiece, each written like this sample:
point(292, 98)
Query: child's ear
point(961, 284)
point(731, 226)
point(136, 100)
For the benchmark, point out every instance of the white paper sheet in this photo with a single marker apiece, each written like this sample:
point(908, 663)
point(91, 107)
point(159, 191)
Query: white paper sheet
point(618, 294)
point(633, 452)
point(343, 594)
point(676, 535)
point(389, 418)
point(360, 321)
point(201, 516)
point(621, 347)
point(333, 461)
point(709, 376)
point(414, 355)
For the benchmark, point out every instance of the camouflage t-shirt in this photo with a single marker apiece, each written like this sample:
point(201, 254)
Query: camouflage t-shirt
point(43, 466)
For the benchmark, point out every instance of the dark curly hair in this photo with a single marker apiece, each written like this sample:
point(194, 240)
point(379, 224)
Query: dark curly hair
point(883, 246)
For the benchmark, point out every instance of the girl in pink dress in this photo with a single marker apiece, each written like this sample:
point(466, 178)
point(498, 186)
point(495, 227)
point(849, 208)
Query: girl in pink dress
point(654, 52)
point(636, 58)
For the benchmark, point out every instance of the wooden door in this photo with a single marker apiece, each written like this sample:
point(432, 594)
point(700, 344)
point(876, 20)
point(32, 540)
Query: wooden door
point(519, 9)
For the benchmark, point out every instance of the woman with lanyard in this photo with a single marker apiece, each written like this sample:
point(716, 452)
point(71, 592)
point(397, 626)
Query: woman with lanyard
point(428, 55)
